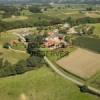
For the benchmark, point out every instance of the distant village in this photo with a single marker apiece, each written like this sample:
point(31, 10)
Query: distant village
point(54, 39)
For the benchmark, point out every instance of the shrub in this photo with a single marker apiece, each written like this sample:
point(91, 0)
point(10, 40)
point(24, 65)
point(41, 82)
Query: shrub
point(34, 61)
point(21, 67)
point(6, 69)
point(6, 45)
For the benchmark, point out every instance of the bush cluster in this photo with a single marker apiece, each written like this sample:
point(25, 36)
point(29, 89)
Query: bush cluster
point(7, 69)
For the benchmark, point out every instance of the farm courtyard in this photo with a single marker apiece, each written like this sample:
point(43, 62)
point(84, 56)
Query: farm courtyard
point(81, 63)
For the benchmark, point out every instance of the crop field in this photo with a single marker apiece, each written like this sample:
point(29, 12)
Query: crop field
point(93, 14)
point(58, 11)
point(81, 62)
point(88, 43)
point(63, 13)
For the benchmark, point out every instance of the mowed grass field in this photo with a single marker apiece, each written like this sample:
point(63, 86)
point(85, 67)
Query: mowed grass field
point(7, 54)
point(41, 84)
point(82, 63)
point(8, 37)
point(12, 56)
point(16, 18)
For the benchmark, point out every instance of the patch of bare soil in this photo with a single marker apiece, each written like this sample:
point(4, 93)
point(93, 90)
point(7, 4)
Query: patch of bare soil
point(81, 62)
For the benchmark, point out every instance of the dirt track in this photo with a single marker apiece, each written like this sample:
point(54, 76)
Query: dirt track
point(92, 89)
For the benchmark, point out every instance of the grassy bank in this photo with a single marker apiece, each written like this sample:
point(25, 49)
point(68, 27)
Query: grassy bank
point(40, 84)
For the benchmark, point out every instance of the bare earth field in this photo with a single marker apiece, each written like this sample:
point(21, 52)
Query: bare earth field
point(81, 62)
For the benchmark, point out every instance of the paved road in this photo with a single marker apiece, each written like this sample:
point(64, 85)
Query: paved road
point(62, 74)
point(20, 51)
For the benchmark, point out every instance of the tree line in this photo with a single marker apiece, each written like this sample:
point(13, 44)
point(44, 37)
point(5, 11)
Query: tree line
point(53, 21)
point(84, 20)
point(8, 69)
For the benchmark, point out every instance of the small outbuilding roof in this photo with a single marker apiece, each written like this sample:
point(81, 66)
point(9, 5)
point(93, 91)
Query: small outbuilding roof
point(66, 25)
point(72, 31)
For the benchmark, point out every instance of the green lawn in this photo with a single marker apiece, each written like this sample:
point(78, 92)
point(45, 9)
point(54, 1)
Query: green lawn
point(40, 84)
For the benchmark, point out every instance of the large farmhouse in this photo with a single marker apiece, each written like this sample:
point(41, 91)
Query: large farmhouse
point(54, 40)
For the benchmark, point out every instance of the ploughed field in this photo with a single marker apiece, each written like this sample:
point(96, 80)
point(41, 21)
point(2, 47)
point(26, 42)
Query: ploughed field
point(82, 63)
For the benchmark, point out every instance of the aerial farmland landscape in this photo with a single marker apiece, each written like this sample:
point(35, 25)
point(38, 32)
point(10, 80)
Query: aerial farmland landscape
point(49, 49)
